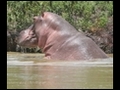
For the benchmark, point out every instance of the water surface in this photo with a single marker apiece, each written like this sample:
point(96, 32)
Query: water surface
point(30, 71)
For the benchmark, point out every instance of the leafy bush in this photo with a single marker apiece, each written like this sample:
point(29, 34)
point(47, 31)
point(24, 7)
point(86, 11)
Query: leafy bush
point(84, 15)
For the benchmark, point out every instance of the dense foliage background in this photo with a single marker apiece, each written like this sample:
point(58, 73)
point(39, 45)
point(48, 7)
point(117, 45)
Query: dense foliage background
point(95, 18)
point(85, 15)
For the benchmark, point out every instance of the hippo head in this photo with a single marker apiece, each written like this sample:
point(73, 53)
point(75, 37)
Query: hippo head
point(27, 38)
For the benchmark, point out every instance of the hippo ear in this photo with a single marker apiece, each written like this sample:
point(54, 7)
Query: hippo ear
point(35, 18)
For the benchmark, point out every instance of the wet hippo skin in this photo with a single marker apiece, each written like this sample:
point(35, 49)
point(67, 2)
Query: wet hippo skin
point(58, 39)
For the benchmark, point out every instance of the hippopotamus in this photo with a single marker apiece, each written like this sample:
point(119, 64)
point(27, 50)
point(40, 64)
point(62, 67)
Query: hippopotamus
point(58, 39)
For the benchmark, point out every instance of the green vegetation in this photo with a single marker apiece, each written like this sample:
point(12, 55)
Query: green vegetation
point(84, 15)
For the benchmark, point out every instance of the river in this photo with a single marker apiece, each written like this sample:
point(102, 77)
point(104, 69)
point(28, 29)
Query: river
point(31, 71)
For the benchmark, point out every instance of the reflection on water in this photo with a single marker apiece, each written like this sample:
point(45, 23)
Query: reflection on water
point(29, 71)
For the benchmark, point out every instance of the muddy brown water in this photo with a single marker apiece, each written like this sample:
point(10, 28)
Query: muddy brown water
point(30, 71)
